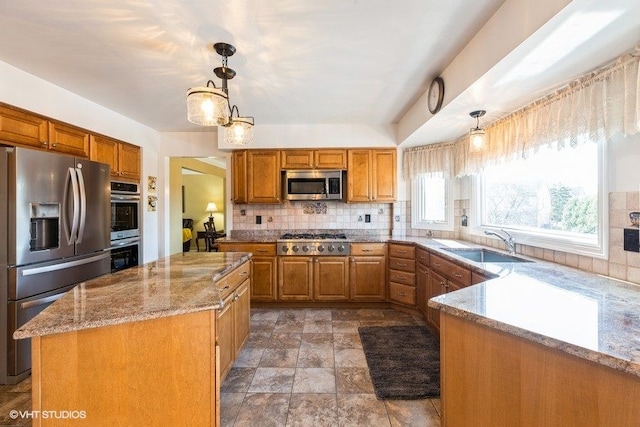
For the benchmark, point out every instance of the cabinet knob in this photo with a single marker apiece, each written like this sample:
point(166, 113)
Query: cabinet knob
point(458, 275)
point(45, 143)
point(54, 145)
point(436, 264)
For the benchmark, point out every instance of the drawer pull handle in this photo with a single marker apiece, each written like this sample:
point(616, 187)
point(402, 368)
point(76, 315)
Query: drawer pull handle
point(225, 288)
point(402, 294)
point(443, 284)
point(401, 251)
point(261, 250)
point(436, 264)
point(458, 275)
point(401, 264)
point(244, 273)
point(367, 250)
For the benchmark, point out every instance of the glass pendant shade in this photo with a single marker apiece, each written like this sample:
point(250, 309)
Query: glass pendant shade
point(476, 139)
point(239, 131)
point(207, 106)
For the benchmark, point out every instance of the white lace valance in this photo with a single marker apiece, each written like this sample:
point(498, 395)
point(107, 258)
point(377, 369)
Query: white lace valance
point(591, 108)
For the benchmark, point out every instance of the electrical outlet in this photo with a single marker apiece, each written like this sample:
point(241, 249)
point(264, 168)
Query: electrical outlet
point(359, 218)
point(258, 219)
point(397, 218)
point(367, 218)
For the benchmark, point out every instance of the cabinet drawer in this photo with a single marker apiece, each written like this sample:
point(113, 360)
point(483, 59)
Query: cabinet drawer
point(451, 270)
point(365, 249)
point(402, 293)
point(402, 251)
point(403, 264)
point(258, 249)
point(402, 277)
point(422, 256)
point(231, 281)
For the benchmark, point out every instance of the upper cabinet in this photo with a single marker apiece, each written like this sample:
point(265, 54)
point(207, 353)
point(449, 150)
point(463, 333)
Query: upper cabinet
point(256, 176)
point(314, 159)
point(123, 158)
point(68, 139)
point(23, 128)
point(371, 175)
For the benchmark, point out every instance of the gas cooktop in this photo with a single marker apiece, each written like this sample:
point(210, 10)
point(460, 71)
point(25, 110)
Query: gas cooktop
point(318, 244)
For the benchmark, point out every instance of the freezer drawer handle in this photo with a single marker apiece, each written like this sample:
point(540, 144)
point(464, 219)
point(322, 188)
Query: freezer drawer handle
point(40, 301)
point(65, 265)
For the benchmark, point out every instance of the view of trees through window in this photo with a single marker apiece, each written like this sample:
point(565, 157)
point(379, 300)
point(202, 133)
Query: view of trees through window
point(551, 190)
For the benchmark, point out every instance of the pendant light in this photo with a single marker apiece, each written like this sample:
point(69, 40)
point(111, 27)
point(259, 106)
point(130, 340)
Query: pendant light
point(476, 135)
point(210, 105)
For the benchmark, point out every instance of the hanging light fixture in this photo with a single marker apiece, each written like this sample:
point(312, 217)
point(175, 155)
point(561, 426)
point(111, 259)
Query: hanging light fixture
point(210, 105)
point(239, 130)
point(476, 135)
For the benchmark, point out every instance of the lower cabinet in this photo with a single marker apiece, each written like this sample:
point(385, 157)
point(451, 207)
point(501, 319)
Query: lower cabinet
point(444, 276)
point(233, 326)
point(422, 281)
point(367, 272)
point(313, 278)
point(263, 264)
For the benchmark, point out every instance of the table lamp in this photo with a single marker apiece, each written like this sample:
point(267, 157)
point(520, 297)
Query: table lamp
point(211, 208)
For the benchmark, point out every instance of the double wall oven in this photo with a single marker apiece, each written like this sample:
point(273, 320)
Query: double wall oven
point(126, 248)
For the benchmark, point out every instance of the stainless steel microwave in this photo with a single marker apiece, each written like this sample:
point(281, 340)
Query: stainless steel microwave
point(313, 184)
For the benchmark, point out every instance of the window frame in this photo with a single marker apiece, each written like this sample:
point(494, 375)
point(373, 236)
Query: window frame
point(554, 240)
point(448, 224)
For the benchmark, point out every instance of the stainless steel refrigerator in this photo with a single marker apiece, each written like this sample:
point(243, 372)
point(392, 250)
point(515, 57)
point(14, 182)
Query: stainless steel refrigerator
point(54, 234)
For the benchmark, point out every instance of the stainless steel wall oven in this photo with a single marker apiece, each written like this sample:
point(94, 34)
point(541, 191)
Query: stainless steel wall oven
point(125, 225)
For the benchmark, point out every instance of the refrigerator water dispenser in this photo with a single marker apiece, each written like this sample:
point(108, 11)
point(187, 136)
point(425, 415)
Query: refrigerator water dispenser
point(45, 232)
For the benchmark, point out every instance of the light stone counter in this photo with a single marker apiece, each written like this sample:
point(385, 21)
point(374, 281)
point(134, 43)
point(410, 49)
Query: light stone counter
point(179, 284)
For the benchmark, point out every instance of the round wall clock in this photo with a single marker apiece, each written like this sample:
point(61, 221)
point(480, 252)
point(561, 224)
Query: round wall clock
point(435, 95)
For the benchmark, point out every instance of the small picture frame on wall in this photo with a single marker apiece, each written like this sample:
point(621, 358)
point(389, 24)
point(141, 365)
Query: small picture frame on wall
point(152, 202)
point(152, 184)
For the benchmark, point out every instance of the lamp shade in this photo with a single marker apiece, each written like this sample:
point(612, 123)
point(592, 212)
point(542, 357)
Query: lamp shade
point(476, 139)
point(211, 207)
point(207, 106)
point(239, 131)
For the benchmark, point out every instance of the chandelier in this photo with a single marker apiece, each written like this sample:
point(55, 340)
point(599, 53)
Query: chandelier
point(210, 106)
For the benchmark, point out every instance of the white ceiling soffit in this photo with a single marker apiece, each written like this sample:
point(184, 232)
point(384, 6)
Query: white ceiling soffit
point(297, 62)
point(584, 35)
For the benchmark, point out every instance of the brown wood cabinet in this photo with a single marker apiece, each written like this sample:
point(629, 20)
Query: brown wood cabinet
point(402, 277)
point(367, 272)
point(233, 319)
point(239, 176)
point(123, 158)
point(314, 159)
point(263, 177)
point(68, 139)
point(445, 276)
point(263, 268)
point(321, 278)
point(371, 175)
point(23, 129)
point(295, 278)
point(422, 280)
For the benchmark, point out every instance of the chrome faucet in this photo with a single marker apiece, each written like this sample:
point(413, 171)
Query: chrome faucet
point(509, 241)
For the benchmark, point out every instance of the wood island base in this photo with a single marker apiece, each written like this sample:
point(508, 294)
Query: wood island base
point(152, 372)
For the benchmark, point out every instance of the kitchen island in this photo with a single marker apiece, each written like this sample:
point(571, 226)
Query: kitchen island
point(137, 347)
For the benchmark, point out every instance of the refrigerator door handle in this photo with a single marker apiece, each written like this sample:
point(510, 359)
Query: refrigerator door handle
point(83, 205)
point(65, 265)
point(41, 301)
point(76, 203)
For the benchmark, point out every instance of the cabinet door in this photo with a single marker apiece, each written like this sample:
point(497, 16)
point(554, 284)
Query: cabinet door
point(437, 286)
point(239, 176)
point(295, 276)
point(242, 317)
point(68, 139)
point(383, 175)
point(359, 176)
point(129, 162)
point(367, 278)
point(422, 284)
point(331, 279)
point(225, 329)
point(263, 278)
point(263, 177)
point(104, 150)
point(297, 159)
point(330, 159)
point(23, 128)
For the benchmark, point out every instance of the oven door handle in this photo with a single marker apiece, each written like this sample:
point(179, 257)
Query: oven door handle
point(124, 242)
point(41, 301)
point(124, 197)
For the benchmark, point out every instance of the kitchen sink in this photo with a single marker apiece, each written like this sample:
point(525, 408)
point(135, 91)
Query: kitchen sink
point(483, 255)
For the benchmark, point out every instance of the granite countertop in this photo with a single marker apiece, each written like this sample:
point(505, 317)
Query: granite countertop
point(590, 316)
point(178, 284)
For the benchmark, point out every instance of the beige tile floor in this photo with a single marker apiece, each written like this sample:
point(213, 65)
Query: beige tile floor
point(306, 367)
point(299, 367)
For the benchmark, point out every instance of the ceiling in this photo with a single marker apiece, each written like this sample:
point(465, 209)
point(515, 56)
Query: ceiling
point(297, 62)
